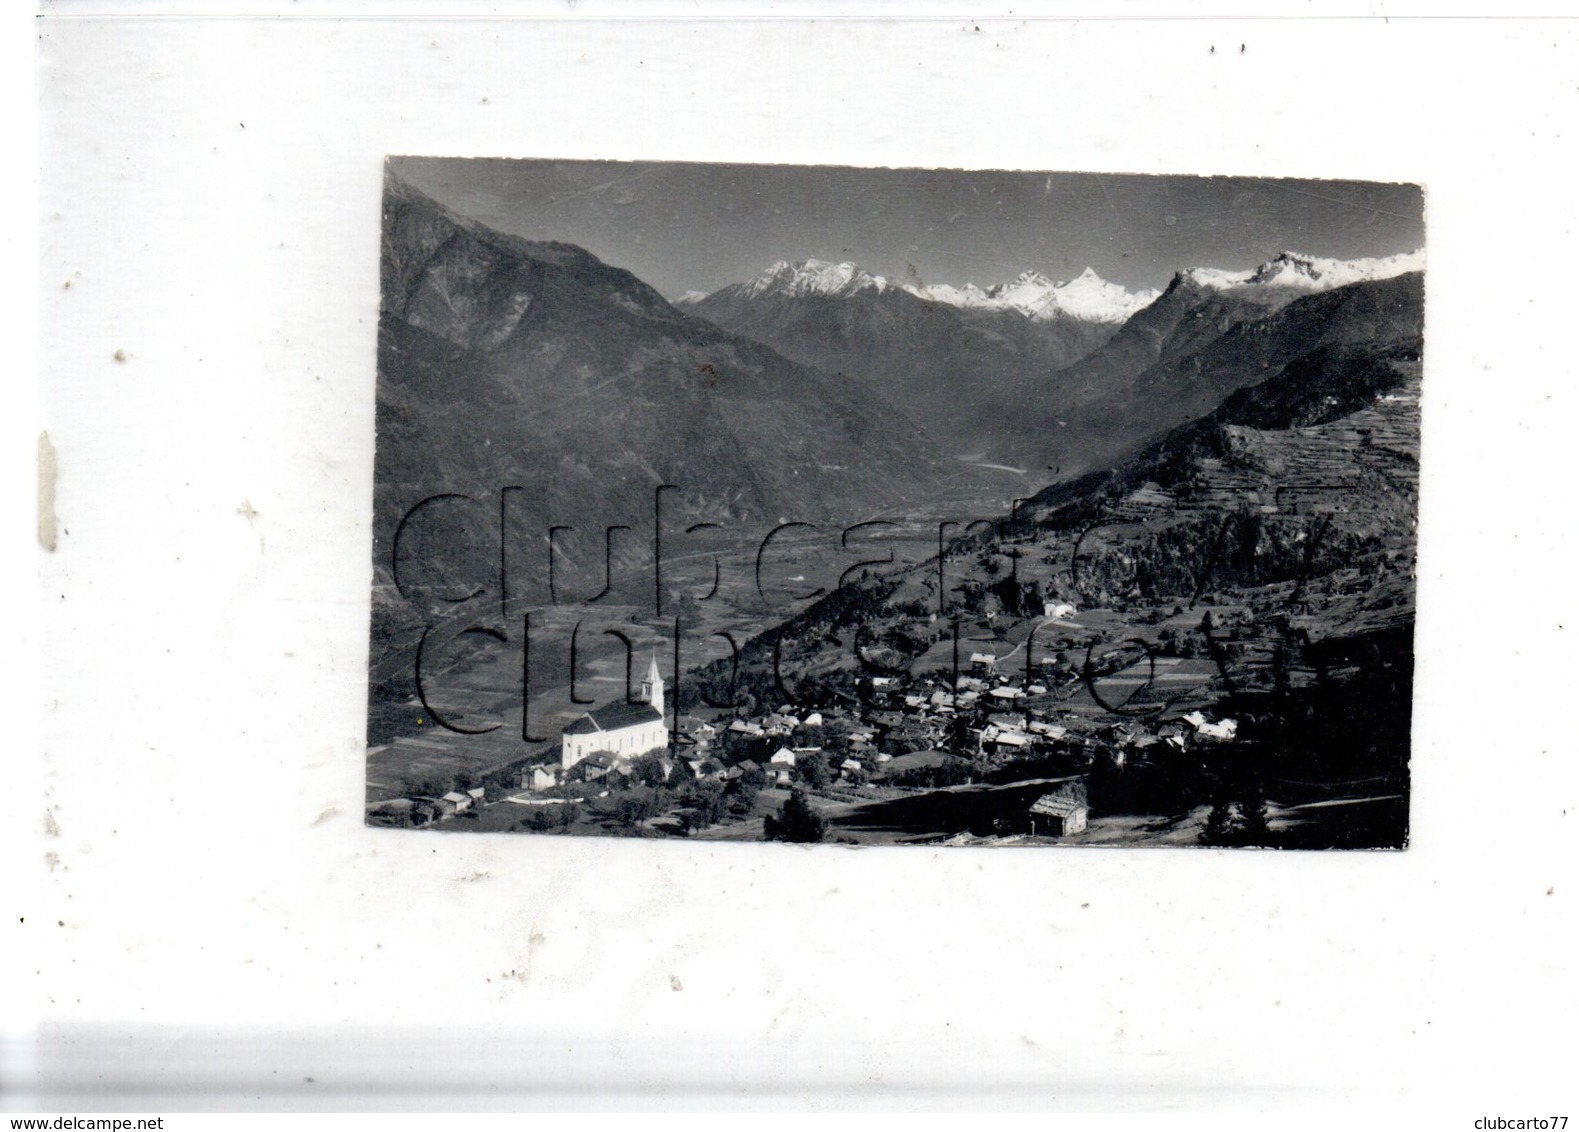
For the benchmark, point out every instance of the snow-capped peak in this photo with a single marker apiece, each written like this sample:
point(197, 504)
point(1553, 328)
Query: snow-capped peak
point(813, 277)
point(1087, 297)
point(1292, 271)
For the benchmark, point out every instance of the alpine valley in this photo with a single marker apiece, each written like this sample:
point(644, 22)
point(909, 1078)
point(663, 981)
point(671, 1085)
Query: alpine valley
point(1029, 562)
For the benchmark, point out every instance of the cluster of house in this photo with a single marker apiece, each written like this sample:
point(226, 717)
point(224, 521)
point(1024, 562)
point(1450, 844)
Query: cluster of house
point(995, 716)
point(898, 725)
point(699, 753)
point(425, 811)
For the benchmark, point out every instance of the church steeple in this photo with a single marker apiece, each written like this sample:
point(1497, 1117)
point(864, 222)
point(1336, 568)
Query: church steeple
point(652, 686)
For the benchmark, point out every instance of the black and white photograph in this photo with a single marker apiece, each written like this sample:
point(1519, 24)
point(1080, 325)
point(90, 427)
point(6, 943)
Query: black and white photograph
point(557, 541)
point(895, 506)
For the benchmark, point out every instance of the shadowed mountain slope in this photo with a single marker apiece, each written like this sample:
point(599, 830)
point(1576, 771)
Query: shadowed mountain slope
point(507, 362)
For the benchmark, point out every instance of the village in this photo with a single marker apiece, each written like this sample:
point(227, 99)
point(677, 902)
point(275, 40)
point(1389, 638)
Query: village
point(1200, 660)
point(992, 755)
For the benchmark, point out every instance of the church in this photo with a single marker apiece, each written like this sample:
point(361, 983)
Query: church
point(622, 728)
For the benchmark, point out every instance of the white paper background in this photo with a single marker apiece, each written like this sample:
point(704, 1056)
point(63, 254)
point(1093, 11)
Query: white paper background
point(214, 925)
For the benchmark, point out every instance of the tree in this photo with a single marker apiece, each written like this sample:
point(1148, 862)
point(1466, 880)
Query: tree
point(805, 736)
point(836, 738)
point(797, 822)
point(706, 802)
point(742, 792)
point(1238, 821)
point(813, 768)
point(687, 611)
point(648, 769)
point(639, 805)
point(427, 786)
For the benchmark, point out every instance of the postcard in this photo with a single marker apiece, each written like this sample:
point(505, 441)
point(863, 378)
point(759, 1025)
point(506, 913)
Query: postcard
point(894, 506)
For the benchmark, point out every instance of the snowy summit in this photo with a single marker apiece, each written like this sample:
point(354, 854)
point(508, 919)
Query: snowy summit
point(1087, 297)
point(1307, 273)
point(813, 277)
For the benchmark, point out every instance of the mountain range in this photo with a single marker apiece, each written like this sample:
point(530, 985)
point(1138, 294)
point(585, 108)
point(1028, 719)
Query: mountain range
point(1196, 345)
point(813, 390)
point(1291, 274)
point(1064, 376)
point(956, 360)
point(1086, 298)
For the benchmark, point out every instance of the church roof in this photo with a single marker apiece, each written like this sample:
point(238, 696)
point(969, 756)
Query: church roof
point(614, 717)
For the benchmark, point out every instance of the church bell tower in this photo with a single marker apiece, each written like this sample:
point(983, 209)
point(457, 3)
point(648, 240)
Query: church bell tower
point(652, 686)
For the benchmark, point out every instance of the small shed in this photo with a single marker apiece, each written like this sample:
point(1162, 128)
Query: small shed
point(1058, 815)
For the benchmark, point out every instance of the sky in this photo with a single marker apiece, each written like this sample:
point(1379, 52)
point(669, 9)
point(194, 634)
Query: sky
point(683, 227)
